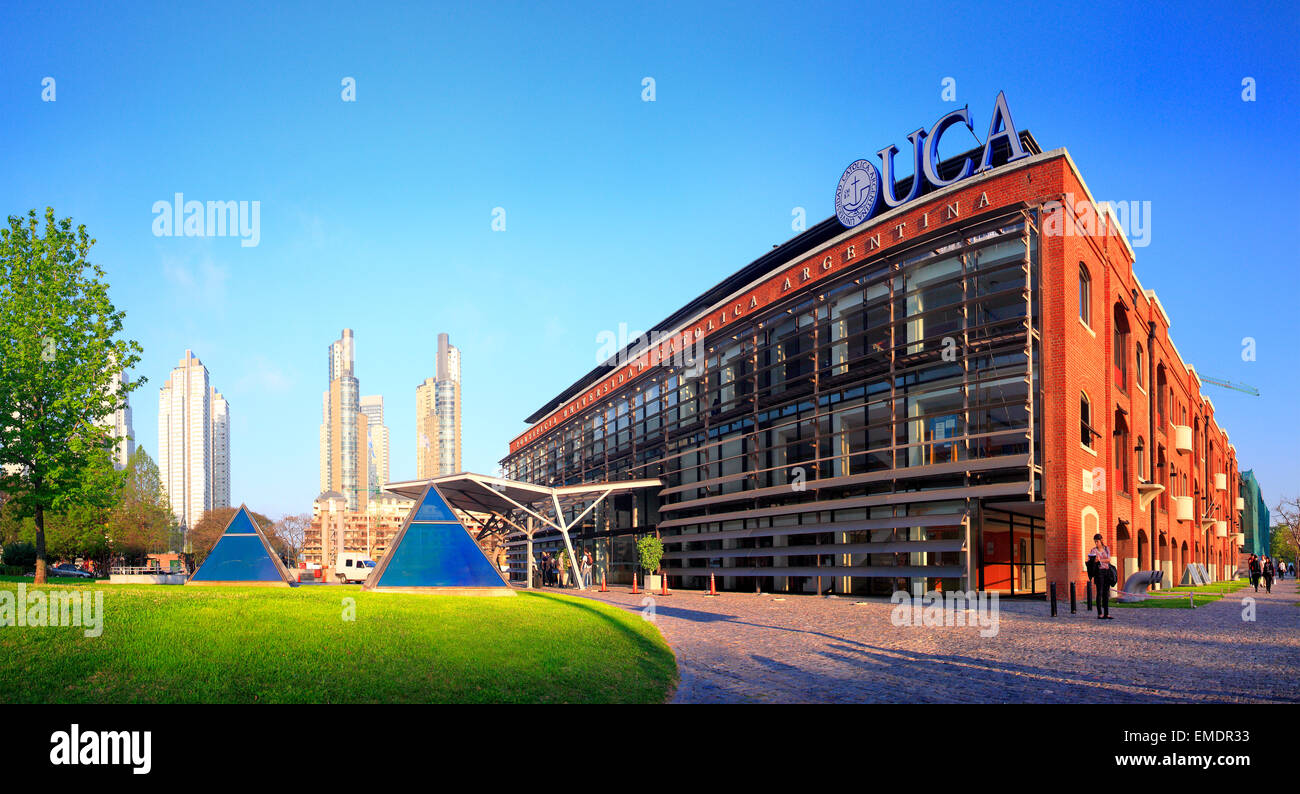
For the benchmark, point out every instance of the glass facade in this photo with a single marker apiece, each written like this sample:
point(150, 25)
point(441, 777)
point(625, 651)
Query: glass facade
point(844, 440)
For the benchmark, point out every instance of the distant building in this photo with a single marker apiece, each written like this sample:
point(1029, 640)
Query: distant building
point(193, 442)
point(1255, 528)
point(377, 432)
point(220, 449)
point(120, 422)
point(334, 528)
point(437, 416)
point(344, 430)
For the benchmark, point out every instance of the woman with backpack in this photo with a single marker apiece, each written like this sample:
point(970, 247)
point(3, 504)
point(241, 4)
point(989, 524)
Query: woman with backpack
point(1253, 566)
point(1099, 560)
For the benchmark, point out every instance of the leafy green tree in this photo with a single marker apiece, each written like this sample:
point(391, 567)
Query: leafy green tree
point(1286, 533)
point(60, 356)
point(141, 521)
point(651, 551)
point(79, 529)
point(11, 523)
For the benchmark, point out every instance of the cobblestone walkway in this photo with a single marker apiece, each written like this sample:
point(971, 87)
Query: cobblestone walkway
point(737, 648)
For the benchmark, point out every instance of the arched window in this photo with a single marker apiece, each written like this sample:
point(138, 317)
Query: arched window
point(1085, 295)
point(1160, 396)
point(1085, 420)
point(1121, 347)
point(1140, 366)
point(1121, 454)
point(1090, 524)
point(1162, 476)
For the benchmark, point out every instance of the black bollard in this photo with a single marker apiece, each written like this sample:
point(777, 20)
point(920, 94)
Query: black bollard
point(1074, 604)
point(1053, 599)
point(1088, 589)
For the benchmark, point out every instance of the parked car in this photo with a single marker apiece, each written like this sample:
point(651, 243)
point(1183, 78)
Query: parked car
point(353, 567)
point(68, 569)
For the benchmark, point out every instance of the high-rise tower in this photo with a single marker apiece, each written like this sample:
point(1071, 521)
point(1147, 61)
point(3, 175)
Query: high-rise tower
point(344, 454)
point(377, 458)
point(193, 442)
point(437, 415)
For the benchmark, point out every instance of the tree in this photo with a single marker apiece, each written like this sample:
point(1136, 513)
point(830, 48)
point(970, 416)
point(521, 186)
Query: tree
point(205, 534)
point(651, 551)
point(141, 522)
point(1286, 534)
point(290, 531)
point(11, 523)
point(60, 359)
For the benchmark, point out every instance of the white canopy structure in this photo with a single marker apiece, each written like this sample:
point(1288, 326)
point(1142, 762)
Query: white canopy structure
point(526, 507)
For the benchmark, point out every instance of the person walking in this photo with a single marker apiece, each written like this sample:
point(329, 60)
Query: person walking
point(1254, 568)
point(1268, 572)
point(1093, 578)
point(1099, 555)
point(586, 568)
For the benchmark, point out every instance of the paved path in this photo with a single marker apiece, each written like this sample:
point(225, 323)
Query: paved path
point(764, 648)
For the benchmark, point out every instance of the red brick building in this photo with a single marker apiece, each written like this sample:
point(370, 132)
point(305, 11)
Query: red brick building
point(957, 392)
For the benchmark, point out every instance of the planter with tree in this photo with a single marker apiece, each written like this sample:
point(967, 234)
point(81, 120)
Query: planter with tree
point(650, 550)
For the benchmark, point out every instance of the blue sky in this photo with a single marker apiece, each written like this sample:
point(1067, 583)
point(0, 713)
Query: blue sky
point(376, 215)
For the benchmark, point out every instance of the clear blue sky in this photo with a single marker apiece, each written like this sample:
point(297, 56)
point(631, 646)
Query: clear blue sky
point(376, 215)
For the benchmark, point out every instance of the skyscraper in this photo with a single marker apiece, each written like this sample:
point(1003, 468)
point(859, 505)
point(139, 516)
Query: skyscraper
point(344, 451)
point(220, 411)
point(437, 415)
point(120, 421)
point(193, 442)
point(373, 407)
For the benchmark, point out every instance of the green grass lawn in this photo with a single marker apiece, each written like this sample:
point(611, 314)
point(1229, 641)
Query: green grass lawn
point(1168, 603)
point(176, 644)
point(1204, 594)
point(1218, 587)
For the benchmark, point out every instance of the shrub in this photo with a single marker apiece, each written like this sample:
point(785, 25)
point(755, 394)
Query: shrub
point(19, 554)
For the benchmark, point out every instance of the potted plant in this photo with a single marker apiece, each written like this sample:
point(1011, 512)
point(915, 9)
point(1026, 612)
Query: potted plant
point(651, 551)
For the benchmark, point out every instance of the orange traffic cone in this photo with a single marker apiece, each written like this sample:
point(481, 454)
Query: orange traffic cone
point(713, 588)
point(603, 587)
point(663, 584)
point(634, 590)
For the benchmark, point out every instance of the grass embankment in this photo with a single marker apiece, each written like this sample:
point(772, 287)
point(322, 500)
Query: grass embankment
point(176, 644)
point(1177, 597)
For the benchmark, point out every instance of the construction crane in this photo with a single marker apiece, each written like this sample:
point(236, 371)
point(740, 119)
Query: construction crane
point(1227, 384)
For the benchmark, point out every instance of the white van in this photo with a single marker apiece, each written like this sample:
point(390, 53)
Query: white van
point(353, 567)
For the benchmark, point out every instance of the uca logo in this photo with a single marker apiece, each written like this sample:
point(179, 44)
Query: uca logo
point(863, 187)
point(858, 193)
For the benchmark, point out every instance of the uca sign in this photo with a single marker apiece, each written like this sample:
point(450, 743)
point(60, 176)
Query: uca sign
point(863, 187)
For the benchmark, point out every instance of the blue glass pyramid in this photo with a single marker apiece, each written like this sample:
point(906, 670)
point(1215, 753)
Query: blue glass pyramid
point(241, 555)
point(435, 550)
point(241, 524)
